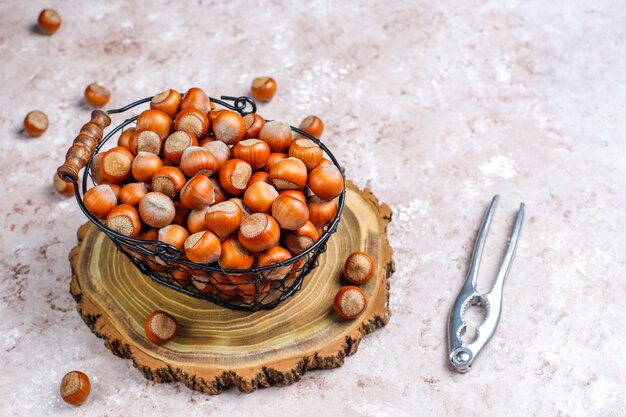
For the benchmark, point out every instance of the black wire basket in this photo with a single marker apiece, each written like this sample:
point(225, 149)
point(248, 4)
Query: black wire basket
point(257, 288)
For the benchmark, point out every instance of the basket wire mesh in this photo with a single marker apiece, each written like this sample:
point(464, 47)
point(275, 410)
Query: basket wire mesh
point(257, 288)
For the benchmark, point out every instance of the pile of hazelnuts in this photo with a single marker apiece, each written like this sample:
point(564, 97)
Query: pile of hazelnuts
point(223, 189)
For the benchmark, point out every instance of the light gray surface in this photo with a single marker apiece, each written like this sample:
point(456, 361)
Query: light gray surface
point(436, 106)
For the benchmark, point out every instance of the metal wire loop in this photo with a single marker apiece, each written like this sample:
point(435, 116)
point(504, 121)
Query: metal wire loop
point(240, 104)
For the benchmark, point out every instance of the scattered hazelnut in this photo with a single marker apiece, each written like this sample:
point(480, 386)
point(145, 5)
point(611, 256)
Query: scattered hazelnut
point(96, 95)
point(35, 123)
point(358, 268)
point(350, 302)
point(312, 125)
point(160, 327)
point(263, 88)
point(49, 21)
point(75, 388)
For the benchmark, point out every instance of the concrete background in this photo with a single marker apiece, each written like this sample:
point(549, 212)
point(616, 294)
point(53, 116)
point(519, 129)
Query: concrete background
point(436, 106)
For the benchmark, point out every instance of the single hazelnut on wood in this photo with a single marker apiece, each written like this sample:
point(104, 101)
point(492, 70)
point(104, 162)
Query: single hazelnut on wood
point(35, 123)
point(350, 302)
point(49, 21)
point(160, 327)
point(263, 88)
point(96, 95)
point(358, 268)
point(75, 388)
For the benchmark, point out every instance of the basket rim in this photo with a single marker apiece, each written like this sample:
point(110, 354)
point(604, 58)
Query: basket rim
point(170, 253)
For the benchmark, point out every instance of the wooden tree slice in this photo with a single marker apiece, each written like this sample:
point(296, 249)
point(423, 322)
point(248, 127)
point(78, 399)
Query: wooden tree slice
point(216, 347)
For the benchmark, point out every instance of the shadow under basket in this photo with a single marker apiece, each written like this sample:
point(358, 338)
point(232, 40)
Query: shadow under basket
point(251, 289)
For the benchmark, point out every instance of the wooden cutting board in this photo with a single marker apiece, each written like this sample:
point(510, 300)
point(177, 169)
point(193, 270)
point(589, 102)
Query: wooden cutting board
point(216, 347)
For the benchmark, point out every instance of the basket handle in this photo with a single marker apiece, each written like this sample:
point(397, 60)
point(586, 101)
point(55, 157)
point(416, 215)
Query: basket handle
point(84, 145)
